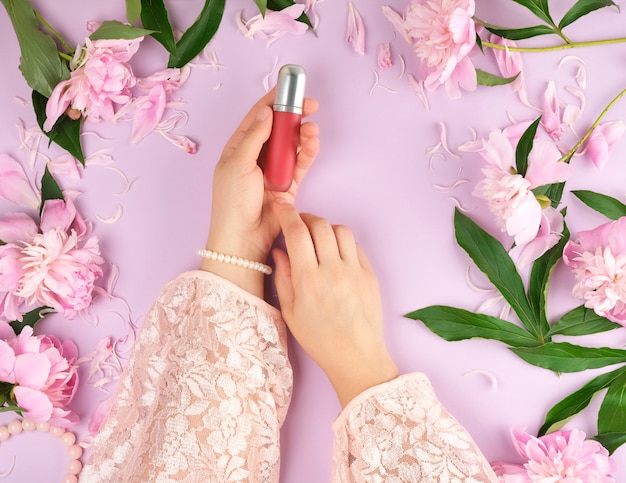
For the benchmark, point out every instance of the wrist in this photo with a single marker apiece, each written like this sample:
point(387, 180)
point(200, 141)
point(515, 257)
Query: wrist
point(348, 384)
point(247, 273)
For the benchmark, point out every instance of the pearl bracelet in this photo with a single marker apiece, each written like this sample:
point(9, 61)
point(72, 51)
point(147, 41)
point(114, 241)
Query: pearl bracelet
point(240, 262)
point(67, 438)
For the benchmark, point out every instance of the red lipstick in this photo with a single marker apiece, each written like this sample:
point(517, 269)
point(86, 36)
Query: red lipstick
point(283, 142)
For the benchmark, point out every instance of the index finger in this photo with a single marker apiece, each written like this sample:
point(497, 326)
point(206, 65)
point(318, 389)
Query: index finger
point(298, 239)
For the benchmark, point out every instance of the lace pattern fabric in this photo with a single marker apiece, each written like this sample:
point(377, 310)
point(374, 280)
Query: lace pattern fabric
point(400, 432)
point(204, 394)
point(207, 389)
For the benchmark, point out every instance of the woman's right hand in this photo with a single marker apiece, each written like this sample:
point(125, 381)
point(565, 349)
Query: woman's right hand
point(330, 301)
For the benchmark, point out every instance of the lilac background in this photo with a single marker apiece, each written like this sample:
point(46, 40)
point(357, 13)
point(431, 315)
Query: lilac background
point(372, 174)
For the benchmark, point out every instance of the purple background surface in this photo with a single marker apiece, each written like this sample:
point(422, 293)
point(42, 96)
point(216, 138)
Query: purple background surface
point(373, 174)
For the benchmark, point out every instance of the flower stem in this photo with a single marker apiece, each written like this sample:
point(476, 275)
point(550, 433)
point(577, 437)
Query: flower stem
point(567, 156)
point(67, 46)
point(65, 56)
point(570, 45)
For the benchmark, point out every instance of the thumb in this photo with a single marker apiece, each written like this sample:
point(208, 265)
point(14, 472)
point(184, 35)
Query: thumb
point(283, 282)
point(246, 144)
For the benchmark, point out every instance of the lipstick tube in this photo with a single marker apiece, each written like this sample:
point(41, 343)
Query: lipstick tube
point(283, 143)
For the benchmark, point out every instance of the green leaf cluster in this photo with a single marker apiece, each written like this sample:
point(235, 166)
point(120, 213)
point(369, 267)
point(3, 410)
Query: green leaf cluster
point(40, 63)
point(541, 10)
point(154, 17)
point(532, 340)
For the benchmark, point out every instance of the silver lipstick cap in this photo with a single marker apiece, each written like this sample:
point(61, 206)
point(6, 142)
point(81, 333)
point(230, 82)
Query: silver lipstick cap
point(290, 89)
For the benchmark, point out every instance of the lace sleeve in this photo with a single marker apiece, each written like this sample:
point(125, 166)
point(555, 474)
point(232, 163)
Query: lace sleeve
point(400, 432)
point(204, 394)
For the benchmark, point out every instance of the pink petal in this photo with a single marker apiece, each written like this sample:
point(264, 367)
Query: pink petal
point(37, 405)
point(14, 185)
point(98, 416)
point(544, 166)
point(355, 31)
point(463, 76)
point(32, 370)
point(17, 227)
point(64, 165)
point(277, 23)
point(57, 214)
point(548, 235)
point(146, 112)
point(602, 140)
point(551, 119)
point(498, 151)
point(524, 222)
point(509, 63)
point(396, 21)
point(383, 57)
point(58, 103)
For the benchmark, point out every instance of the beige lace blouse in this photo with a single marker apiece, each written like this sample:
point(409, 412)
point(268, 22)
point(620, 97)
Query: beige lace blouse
point(208, 387)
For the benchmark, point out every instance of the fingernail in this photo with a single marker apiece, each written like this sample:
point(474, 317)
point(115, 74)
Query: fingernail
point(281, 201)
point(262, 113)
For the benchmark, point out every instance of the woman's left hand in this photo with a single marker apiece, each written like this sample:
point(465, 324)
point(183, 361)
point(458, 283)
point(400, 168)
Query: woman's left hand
point(243, 223)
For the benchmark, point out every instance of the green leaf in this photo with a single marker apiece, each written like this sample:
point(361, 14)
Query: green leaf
point(612, 413)
point(40, 63)
point(133, 11)
point(539, 281)
point(567, 408)
point(524, 146)
point(552, 191)
point(453, 324)
point(280, 4)
point(539, 8)
point(582, 321)
point(112, 29)
point(582, 8)
point(566, 357)
point(608, 206)
point(28, 319)
point(493, 260)
point(262, 4)
point(479, 42)
point(50, 189)
point(490, 80)
point(518, 34)
point(65, 132)
point(611, 441)
point(199, 34)
point(6, 388)
point(16, 408)
point(154, 17)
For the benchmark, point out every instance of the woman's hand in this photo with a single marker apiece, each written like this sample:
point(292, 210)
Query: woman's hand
point(330, 301)
point(242, 221)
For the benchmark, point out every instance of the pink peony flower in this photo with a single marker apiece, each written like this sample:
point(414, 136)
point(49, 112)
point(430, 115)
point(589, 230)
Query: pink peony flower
point(14, 185)
point(101, 79)
point(44, 372)
point(55, 264)
point(508, 194)
point(601, 141)
point(598, 260)
point(383, 57)
point(355, 30)
point(443, 34)
point(560, 456)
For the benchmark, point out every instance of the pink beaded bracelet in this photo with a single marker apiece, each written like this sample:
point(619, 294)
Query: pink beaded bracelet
point(67, 438)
